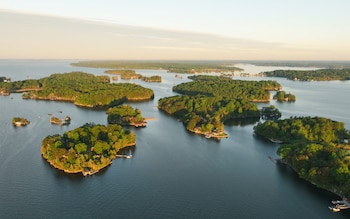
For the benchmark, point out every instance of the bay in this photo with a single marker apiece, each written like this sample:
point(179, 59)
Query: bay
point(173, 173)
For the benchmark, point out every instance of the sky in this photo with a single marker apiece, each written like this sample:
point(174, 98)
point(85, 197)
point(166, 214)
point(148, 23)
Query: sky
point(175, 29)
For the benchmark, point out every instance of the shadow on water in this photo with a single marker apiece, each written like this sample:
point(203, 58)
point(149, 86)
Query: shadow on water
point(306, 187)
point(241, 122)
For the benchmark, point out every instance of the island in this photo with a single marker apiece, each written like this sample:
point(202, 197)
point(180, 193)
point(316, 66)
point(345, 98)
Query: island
point(58, 121)
point(154, 78)
point(205, 115)
point(19, 121)
point(190, 67)
point(282, 96)
point(210, 101)
point(86, 149)
point(316, 148)
point(81, 88)
point(131, 74)
point(253, 91)
point(124, 74)
point(329, 74)
point(125, 115)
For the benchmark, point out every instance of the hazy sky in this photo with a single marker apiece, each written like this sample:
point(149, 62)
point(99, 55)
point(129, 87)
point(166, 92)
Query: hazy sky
point(175, 29)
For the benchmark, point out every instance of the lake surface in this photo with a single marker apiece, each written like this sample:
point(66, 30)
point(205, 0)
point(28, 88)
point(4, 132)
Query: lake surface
point(173, 173)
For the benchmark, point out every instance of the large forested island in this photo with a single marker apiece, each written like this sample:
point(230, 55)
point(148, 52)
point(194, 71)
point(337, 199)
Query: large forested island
point(170, 66)
point(254, 91)
point(209, 101)
point(86, 149)
point(312, 75)
point(316, 148)
point(205, 115)
point(81, 88)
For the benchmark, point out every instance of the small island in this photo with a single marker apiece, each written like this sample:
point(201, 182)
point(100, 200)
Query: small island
point(125, 115)
point(316, 148)
point(86, 149)
point(19, 121)
point(124, 74)
point(154, 78)
point(58, 121)
point(282, 96)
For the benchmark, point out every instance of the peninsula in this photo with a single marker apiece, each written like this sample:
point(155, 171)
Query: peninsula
point(316, 148)
point(342, 74)
point(86, 149)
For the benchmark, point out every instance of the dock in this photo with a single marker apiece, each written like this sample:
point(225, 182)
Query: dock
point(339, 205)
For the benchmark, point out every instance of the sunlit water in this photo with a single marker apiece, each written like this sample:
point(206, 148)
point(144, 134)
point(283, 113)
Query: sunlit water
point(173, 173)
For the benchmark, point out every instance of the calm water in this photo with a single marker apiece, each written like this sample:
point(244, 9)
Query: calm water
point(173, 173)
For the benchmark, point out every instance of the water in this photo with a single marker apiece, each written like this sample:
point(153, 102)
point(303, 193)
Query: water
point(173, 173)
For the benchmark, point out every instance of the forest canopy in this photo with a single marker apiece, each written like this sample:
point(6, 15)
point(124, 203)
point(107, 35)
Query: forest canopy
point(254, 91)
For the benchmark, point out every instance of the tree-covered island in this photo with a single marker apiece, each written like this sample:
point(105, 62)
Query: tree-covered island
point(282, 96)
point(312, 75)
point(205, 115)
point(124, 74)
point(209, 101)
point(125, 115)
point(86, 149)
point(131, 74)
point(316, 148)
point(81, 88)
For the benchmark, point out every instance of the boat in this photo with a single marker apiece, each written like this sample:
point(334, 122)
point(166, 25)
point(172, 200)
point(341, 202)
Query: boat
point(276, 141)
point(128, 156)
point(334, 209)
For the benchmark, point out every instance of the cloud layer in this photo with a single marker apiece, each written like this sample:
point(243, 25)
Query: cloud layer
point(41, 36)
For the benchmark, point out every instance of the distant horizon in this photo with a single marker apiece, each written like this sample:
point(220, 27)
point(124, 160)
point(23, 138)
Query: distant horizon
point(177, 60)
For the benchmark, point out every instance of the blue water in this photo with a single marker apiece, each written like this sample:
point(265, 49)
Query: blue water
point(173, 173)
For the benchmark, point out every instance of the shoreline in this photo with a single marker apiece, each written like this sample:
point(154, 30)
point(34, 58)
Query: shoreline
point(333, 191)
